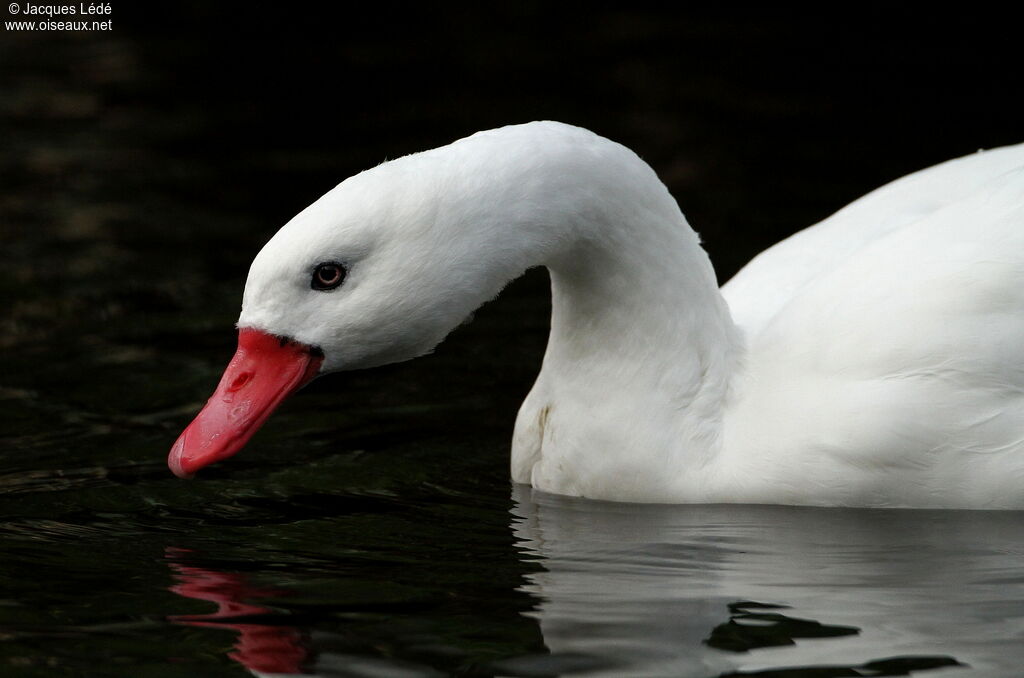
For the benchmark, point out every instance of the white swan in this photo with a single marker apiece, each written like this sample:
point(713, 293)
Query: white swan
point(875, 359)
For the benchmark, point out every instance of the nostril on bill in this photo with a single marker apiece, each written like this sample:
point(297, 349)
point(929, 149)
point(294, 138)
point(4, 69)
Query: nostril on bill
point(240, 381)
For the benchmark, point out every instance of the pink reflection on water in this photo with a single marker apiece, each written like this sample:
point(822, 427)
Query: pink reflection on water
point(260, 647)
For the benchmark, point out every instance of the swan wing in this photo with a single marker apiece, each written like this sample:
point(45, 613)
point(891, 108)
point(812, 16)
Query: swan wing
point(758, 291)
point(899, 369)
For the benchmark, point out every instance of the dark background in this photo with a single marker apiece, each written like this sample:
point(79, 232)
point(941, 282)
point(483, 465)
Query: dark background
point(222, 118)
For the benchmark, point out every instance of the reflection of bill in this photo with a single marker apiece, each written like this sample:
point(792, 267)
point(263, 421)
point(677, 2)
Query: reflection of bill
point(261, 647)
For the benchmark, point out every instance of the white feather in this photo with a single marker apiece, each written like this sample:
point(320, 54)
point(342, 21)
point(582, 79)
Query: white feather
point(875, 359)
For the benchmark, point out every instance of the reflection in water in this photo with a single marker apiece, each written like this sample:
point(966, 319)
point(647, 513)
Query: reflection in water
point(642, 590)
point(670, 590)
point(261, 647)
point(747, 630)
point(268, 645)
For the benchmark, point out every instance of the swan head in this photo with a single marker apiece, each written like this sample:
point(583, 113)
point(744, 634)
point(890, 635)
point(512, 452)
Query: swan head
point(380, 270)
point(385, 265)
point(374, 272)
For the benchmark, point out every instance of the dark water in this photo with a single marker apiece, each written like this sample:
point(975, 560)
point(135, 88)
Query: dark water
point(370, 528)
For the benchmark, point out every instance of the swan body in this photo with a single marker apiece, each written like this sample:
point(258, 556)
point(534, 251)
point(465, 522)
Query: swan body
point(875, 359)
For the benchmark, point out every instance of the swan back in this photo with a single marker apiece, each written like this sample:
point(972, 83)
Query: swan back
point(771, 279)
point(897, 376)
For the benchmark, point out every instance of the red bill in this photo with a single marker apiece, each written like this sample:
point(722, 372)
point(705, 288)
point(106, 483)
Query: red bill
point(263, 372)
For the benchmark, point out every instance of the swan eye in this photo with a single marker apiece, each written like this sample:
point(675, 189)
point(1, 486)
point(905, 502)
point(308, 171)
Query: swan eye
point(327, 276)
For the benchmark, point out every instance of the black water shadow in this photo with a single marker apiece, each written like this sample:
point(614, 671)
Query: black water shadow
point(749, 630)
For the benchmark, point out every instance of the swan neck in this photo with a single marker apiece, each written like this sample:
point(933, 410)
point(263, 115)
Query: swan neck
point(631, 398)
point(640, 304)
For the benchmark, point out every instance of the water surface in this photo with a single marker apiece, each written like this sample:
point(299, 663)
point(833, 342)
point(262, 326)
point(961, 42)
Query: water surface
point(297, 576)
